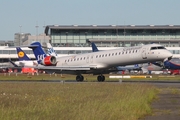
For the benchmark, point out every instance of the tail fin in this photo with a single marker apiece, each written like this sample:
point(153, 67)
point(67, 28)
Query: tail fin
point(94, 47)
point(21, 54)
point(50, 50)
point(38, 51)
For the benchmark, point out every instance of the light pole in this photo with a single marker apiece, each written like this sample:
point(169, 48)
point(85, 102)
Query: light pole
point(20, 28)
point(66, 39)
point(36, 32)
point(44, 33)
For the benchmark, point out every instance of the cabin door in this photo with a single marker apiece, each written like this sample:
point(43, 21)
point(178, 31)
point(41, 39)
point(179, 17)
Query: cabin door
point(87, 59)
point(91, 59)
point(143, 53)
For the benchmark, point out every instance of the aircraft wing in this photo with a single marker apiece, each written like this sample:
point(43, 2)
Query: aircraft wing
point(74, 69)
point(62, 68)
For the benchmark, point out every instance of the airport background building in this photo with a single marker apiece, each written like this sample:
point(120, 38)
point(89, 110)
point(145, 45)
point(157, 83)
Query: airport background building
point(113, 35)
point(7, 43)
point(26, 38)
point(72, 39)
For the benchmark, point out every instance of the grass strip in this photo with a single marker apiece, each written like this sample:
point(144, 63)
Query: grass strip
point(79, 101)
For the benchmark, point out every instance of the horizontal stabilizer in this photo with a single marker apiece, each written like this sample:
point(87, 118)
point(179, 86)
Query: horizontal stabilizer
point(13, 63)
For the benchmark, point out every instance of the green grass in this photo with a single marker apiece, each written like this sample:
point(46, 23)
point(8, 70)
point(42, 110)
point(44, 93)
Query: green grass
point(79, 101)
point(87, 77)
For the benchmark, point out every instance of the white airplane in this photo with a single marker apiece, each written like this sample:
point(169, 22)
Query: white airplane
point(24, 60)
point(99, 62)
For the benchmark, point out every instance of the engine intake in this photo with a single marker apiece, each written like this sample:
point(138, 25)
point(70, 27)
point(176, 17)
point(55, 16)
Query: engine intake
point(49, 61)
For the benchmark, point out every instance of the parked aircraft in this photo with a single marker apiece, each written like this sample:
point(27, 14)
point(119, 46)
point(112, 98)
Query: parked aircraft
point(149, 68)
point(129, 67)
point(172, 64)
point(24, 60)
point(18, 65)
point(99, 62)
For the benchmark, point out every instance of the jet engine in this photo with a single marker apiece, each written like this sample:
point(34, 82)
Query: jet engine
point(49, 61)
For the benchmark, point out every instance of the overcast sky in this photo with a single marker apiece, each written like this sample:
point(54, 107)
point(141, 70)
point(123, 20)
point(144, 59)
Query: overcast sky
point(28, 14)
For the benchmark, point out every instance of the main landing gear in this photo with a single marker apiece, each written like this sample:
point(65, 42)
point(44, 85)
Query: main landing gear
point(79, 78)
point(100, 78)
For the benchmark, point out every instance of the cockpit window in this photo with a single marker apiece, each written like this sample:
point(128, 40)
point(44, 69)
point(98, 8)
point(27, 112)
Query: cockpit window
point(153, 48)
point(161, 47)
point(158, 47)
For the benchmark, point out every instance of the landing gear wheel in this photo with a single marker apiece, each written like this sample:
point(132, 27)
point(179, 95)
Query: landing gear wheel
point(79, 78)
point(101, 78)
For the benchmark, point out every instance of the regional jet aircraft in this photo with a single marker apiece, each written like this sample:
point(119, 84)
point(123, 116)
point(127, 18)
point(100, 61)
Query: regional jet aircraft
point(99, 62)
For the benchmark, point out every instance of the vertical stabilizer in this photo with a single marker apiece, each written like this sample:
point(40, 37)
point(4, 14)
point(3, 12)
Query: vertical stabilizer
point(21, 54)
point(38, 51)
point(94, 47)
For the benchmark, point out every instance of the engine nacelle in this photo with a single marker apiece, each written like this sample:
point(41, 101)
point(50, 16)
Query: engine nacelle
point(49, 61)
